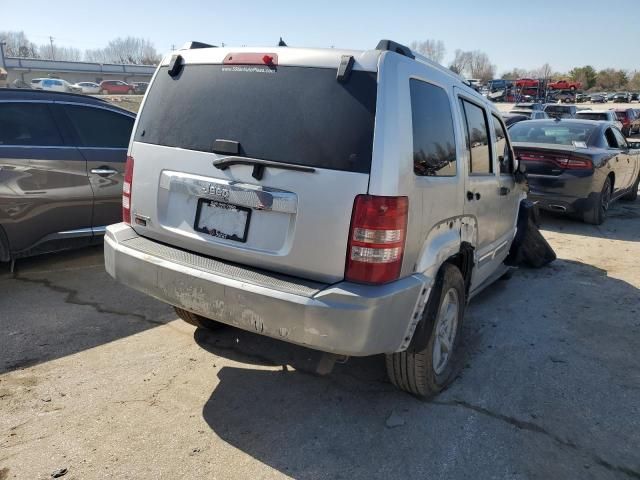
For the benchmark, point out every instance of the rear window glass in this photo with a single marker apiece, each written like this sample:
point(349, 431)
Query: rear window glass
point(534, 132)
point(557, 109)
point(295, 115)
point(592, 116)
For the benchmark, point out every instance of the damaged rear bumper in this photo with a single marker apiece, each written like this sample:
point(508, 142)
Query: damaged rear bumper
point(344, 318)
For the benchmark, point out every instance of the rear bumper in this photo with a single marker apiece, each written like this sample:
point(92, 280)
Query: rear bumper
point(344, 318)
point(565, 193)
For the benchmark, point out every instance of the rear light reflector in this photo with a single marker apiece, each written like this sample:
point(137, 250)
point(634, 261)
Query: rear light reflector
point(247, 58)
point(376, 255)
point(126, 191)
point(376, 239)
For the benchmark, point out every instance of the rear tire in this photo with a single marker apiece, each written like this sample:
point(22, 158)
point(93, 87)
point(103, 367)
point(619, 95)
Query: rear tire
point(426, 372)
point(198, 320)
point(632, 195)
point(598, 213)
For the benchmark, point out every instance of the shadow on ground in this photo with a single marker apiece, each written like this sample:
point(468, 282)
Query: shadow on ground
point(59, 304)
point(621, 224)
point(536, 355)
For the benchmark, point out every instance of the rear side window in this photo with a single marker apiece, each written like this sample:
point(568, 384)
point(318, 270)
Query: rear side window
point(611, 138)
point(477, 134)
point(434, 143)
point(286, 114)
point(501, 147)
point(28, 124)
point(620, 140)
point(97, 127)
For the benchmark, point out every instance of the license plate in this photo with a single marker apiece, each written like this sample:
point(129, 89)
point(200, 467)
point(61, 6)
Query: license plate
point(222, 220)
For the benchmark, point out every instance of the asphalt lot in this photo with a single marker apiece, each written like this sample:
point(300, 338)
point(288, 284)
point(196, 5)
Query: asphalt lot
point(107, 383)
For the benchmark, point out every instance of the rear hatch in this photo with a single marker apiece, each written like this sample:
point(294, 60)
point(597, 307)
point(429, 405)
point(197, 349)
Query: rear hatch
point(256, 157)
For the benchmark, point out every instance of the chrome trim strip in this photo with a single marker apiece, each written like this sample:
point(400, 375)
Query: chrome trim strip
point(126, 112)
point(39, 146)
point(75, 233)
point(103, 148)
point(99, 230)
point(243, 194)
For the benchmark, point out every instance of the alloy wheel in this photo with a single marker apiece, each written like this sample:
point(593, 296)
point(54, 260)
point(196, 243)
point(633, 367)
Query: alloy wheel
point(445, 331)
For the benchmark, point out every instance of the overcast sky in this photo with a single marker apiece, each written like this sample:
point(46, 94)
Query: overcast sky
point(564, 33)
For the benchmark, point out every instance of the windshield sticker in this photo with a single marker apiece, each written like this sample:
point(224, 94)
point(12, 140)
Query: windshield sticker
point(249, 69)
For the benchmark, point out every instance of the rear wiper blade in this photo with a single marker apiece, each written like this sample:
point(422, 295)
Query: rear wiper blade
point(259, 165)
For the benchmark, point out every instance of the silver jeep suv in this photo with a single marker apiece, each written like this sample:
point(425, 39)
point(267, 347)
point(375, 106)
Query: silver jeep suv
point(348, 201)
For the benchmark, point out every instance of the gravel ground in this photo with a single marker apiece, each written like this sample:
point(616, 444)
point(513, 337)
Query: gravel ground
point(106, 383)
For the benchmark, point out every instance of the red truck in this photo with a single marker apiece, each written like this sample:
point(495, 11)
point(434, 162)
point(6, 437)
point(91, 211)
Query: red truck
point(527, 82)
point(565, 85)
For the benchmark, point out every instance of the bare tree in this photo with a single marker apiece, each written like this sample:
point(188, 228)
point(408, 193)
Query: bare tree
point(432, 49)
point(514, 74)
point(69, 54)
point(473, 64)
point(130, 50)
point(544, 72)
point(98, 55)
point(480, 66)
point(18, 45)
point(461, 61)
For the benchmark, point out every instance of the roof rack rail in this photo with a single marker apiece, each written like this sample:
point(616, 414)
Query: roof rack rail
point(396, 47)
point(192, 45)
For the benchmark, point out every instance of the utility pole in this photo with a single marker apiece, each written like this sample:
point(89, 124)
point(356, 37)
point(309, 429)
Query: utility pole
point(2, 64)
point(53, 57)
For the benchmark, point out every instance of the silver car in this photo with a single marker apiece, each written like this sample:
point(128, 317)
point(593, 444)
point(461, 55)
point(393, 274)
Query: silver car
point(348, 201)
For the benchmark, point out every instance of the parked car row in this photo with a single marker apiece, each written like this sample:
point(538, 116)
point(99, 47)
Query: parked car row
point(626, 119)
point(106, 87)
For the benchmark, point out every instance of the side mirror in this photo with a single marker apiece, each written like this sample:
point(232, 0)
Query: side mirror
point(520, 174)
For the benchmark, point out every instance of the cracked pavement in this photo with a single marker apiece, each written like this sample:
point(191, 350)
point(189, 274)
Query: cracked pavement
point(108, 383)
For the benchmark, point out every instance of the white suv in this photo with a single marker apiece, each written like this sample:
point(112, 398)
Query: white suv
point(348, 201)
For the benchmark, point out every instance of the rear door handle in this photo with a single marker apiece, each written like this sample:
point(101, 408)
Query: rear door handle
point(103, 171)
point(504, 191)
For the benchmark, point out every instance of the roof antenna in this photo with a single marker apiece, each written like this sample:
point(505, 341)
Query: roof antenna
point(281, 43)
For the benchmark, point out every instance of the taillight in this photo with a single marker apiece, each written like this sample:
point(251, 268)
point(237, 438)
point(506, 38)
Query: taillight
point(576, 163)
point(126, 191)
point(376, 239)
point(567, 162)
